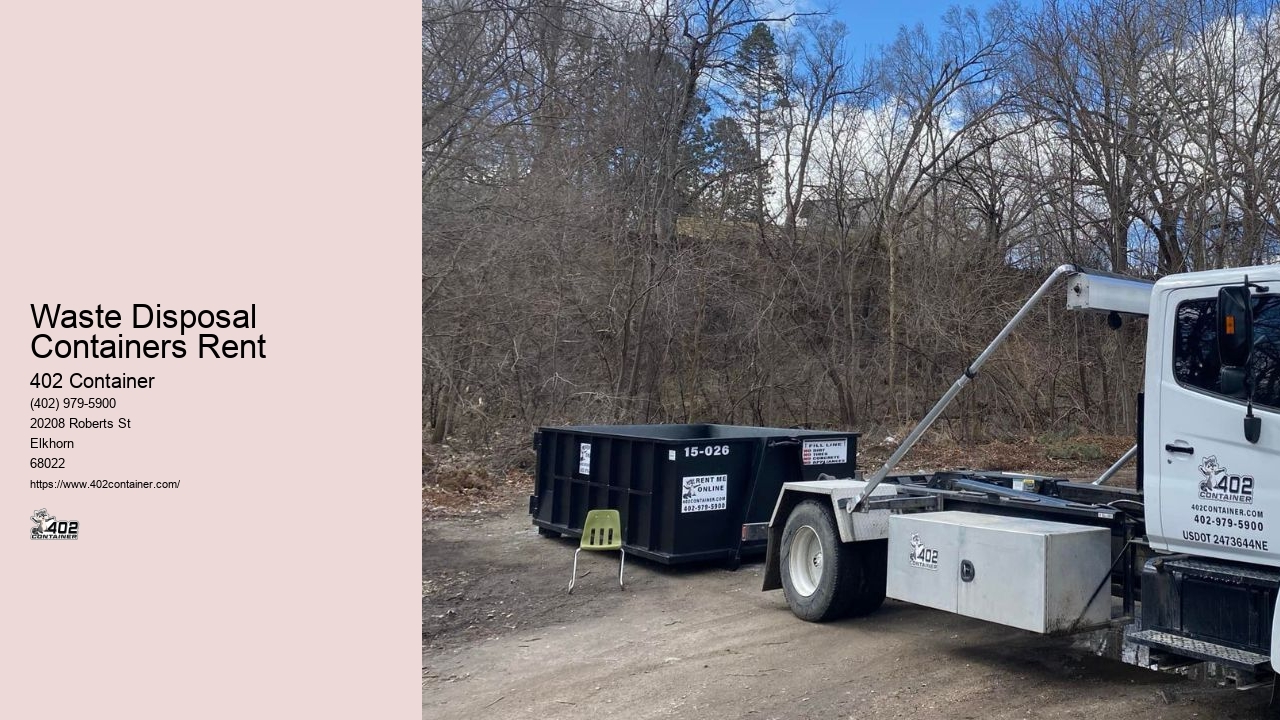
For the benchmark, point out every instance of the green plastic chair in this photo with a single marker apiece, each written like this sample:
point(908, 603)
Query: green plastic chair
point(602, 530)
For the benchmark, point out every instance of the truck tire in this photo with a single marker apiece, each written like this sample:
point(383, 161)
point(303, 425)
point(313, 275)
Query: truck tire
point(823, 578)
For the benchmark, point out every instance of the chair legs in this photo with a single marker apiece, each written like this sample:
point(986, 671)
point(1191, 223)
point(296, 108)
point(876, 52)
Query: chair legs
point(574, 574)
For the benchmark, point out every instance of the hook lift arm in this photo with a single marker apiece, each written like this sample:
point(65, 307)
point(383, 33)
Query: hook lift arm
point(970, 372)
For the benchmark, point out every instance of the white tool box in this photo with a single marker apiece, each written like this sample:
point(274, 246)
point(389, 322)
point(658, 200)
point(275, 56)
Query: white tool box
point(1031, 574)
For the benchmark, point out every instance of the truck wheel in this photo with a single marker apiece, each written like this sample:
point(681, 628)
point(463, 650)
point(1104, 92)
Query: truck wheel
point(820, 574)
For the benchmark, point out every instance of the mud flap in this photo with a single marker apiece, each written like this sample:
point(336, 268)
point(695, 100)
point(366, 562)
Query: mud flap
point(1275, 637)
point(772, 561)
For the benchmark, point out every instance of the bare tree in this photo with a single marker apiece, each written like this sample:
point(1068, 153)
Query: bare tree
point(607, 237)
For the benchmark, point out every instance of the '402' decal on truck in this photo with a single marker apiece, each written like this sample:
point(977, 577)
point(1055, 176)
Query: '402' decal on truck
point(1217, 484)
point(921, 555)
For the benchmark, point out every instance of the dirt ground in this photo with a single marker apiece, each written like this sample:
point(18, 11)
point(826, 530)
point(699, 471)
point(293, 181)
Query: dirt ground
point(502, 639)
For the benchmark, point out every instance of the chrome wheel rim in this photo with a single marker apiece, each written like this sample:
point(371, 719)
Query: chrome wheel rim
point(806, 561)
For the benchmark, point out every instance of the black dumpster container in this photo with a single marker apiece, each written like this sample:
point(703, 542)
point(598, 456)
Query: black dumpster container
point(685, 492)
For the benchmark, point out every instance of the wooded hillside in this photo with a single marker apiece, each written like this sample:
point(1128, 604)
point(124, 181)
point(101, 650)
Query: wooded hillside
point(695, 211)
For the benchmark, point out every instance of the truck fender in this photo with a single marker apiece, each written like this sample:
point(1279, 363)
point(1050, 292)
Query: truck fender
point(856, 527)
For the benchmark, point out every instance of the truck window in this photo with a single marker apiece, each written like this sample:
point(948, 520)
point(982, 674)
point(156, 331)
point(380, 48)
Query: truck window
point(1266, 351)
point(1195, 348)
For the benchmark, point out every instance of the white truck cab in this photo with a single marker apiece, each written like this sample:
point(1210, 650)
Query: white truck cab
point(1210, 490)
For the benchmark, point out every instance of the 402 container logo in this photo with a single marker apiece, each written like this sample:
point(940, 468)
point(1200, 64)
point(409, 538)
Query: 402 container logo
point(48, 527)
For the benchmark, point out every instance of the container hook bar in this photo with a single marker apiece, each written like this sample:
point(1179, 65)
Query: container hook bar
point(969, 373)
point(1115, 467)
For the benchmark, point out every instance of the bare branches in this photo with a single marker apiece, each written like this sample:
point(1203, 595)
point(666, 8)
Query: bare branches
point(682, 211)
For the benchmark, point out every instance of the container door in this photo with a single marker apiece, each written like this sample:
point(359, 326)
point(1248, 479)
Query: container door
point(1002, 577)
point(1219, 494)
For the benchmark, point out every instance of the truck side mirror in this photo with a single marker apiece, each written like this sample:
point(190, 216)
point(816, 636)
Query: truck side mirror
point(1235, 326)
point(1231, 381)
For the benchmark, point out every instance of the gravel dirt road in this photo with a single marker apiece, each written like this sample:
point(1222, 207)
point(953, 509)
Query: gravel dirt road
point(502, 639)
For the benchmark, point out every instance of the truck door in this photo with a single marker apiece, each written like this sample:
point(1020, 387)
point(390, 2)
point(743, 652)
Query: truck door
point(1219, 494)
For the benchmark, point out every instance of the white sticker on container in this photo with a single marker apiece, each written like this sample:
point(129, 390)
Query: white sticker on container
point(701, 493)
point(825, 452)
point(584, 459)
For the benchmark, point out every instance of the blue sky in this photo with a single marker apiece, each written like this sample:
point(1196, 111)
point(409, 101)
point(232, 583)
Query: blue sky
point(872, 24)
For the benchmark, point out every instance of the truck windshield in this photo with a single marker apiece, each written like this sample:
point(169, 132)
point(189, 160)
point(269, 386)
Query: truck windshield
point(1195, 347)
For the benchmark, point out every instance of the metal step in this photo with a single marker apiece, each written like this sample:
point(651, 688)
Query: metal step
point(1200, 650)
point(1225, 572)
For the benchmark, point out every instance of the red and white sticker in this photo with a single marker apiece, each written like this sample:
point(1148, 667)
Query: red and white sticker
point(825, 452)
